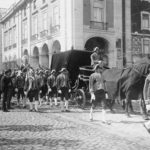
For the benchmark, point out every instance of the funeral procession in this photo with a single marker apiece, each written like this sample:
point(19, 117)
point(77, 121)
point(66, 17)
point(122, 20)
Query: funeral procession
point(74, 74)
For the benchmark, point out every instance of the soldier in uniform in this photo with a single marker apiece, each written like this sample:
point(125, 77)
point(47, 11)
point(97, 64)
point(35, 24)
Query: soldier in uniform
point(20, 83)
point(43, 86)
point(6, 83)
point(52, 89)
point(33, 91)
point(97, 90)
point(63, 88)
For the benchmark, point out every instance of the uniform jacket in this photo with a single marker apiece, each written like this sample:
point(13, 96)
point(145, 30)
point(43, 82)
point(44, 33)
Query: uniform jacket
point(96, 82)
point(62, 80)
point(51, 81)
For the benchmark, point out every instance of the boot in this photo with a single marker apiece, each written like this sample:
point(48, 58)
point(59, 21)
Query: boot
point(62, 106)
point(51, 103)
point(55, 100)
point(36, 105)
point(31, 106)
point(91, 114)
point(67, 105)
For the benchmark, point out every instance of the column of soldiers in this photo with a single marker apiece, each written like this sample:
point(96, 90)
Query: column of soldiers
point(36, 87)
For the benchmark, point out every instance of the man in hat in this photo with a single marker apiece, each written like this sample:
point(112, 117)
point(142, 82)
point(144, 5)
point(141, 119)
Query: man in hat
point(96, 56)
point(52, 89)
point(20, 83)
point(43, 86)
point(97, 90)
point(6, 83)
point(63, 88)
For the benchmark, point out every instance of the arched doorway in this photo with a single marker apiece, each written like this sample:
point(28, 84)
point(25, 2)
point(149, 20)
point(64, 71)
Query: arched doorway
point(56, 47)
point(26, 52)
point(35, 57)
point(98, 42)
point(45, 56)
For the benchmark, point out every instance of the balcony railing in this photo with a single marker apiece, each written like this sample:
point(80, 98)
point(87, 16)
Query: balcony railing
point(34, 37)
point(43, 33)
point(24, 41)
point(55, 29)
point(98, 25)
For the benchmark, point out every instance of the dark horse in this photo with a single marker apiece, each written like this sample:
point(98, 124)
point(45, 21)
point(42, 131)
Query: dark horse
point(127, 84)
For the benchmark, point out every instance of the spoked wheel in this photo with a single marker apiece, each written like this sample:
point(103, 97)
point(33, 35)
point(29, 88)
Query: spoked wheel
point(80, 98)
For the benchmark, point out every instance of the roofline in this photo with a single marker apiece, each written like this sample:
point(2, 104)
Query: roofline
point(13, 9)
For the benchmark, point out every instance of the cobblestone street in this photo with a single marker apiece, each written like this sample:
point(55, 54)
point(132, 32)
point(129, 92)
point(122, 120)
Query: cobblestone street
point(49, 129)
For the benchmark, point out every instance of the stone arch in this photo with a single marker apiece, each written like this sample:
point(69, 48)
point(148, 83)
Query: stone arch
point(93, 42)
point(45, 56)
point(26, 52)
point(56, 47)
point(100, 42)
point(35, 57)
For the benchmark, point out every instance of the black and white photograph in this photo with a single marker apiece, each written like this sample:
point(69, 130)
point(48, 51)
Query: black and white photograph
point(74, 74)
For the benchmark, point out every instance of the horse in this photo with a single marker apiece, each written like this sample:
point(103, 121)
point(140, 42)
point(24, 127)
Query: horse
point(127, 83)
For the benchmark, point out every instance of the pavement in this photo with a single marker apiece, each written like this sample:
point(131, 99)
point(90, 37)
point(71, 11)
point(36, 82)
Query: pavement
point(49, 129)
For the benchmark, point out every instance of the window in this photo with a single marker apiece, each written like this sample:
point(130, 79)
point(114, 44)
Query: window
point(98, 11)
point(9, 37)
point(14, 35)
point(146, 46)
point(5, 39)
point(44, 21)
point(145, 20)
point(56, 16)
point(14, 20)
point(34, 25)
point(34, 4)
point(25, 12)
point(24, 30)
point(43, 1)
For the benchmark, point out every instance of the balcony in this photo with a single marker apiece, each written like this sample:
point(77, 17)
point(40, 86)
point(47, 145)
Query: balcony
point(43, 33)
point(98, 25)
point(24, 41)
point(34, 37)
point(55, 29)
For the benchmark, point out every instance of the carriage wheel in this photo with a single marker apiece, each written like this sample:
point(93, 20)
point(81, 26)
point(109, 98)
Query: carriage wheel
point(80, 98)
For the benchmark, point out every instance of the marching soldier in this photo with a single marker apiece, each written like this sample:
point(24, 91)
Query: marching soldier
point(63, 88)
point(52, 89)
point(20, 83)
point(43, 87)
point(33, 91)
point(97, 90)
point(6, 83)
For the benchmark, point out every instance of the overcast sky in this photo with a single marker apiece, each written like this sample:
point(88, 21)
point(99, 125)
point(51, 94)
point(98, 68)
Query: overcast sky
point(7, 3)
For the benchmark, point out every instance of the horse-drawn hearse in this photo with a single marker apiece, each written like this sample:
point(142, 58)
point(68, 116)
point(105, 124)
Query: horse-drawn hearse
point(126, 83)
point(78, 65)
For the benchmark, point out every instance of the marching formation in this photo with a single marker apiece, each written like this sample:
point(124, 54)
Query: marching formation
point(36, 86)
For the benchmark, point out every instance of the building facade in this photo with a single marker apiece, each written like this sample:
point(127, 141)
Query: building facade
point(39, 28)
point(140, 12)
point(2, 11)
